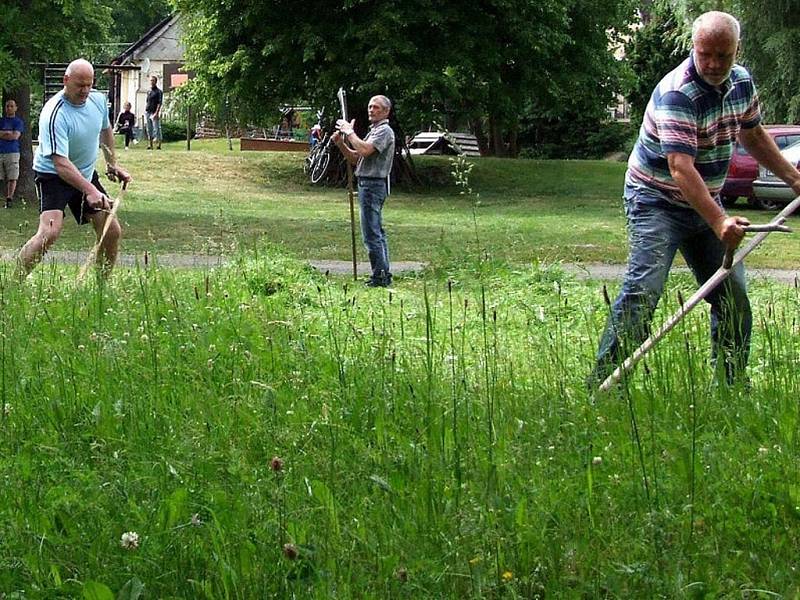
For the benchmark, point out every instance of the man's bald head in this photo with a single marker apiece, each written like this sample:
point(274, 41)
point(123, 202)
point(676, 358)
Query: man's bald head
point(78, 81)
point(79, 65)
point(715, 41)
point(716, 24)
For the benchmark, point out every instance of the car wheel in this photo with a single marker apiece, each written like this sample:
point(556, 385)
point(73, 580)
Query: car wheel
point(766, 204)
point(729, 200)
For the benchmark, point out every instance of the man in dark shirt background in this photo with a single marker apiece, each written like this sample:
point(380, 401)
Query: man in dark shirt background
point(155, 98)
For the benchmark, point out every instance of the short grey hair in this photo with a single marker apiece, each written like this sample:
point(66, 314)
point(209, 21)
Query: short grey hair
point(715, 23)
point(387, 104)
point(78, 63)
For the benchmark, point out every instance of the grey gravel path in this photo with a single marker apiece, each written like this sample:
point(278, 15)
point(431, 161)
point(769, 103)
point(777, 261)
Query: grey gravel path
point(343, 267)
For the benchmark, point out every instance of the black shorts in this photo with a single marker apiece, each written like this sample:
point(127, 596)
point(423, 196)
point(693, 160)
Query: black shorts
point(56, 194)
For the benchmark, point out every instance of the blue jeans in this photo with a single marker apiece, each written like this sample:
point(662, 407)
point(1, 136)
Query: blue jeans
point(371, 196)
point(153, 127)
point(655, 233)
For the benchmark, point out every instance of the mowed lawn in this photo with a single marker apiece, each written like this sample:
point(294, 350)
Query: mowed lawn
point(213, 201)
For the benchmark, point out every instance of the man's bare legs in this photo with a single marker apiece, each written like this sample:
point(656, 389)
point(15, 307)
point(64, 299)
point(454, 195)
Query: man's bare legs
point(11, 187)
point(50, 225)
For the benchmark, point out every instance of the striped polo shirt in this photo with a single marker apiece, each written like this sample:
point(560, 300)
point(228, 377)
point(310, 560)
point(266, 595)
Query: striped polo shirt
point(688, 115)
point(72, 131)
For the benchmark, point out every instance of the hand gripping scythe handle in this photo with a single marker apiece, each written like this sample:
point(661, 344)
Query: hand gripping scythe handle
point(730, 261)
point(343, 104)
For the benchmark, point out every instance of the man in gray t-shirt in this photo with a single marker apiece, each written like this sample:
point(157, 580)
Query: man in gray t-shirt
point(373, 158)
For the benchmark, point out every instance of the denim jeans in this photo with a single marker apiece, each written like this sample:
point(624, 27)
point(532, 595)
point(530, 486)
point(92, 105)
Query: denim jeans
point(371, 196)
point(655, 233)
point(153, 127)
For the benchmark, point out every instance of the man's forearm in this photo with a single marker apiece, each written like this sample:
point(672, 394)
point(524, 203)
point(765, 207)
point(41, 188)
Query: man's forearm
point(694, 190)
point(107, 144)
point(9, 135)
point(359, 146)
point(350, 155)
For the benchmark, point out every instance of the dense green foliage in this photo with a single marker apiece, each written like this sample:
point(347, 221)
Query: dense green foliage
point(652, 52)
point(132, 19)
point(770, 41)
point(432, 442)
point(770, 37)
point(481, 63)
point(40, 31)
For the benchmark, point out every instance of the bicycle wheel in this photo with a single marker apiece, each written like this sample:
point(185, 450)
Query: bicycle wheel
point(309, 161)
point(320, 166)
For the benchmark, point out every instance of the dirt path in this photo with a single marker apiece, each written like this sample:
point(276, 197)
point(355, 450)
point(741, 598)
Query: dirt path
point(343, 267)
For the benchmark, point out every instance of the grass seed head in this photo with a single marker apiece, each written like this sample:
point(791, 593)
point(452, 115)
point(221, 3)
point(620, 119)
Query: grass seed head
point(290, 551)
point(276, 464)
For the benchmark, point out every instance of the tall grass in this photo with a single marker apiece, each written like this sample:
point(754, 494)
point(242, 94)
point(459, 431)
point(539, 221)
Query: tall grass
point(435, 440)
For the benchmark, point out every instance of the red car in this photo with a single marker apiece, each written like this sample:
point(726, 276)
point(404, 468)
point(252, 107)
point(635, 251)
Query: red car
point(743, 169)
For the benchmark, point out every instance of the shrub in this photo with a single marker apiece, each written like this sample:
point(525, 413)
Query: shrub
point(174, 130)
point(569, 139)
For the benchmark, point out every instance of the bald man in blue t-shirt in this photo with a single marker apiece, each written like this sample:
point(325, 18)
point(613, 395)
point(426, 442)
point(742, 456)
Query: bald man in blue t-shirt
point(72, 125)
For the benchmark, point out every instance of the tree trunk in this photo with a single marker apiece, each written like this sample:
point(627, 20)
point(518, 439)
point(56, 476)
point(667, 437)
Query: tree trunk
point(480, 135)
point(498, 146)
point(22, 96)
point(513, 146)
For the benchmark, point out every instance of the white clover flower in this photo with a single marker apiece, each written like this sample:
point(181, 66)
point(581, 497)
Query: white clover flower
point(129, 540)
point(7, 408)
point(597, 461)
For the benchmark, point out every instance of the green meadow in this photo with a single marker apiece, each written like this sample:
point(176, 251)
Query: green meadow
point(262, 430)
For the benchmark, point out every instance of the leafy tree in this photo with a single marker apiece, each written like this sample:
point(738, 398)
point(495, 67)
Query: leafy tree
point(572, 107)
point(38, 31)
point(132, 19)
point(477, 62)
point(653, 51)
point(770, 39)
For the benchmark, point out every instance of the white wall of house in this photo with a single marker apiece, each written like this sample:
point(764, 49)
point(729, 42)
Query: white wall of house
point(165, 48)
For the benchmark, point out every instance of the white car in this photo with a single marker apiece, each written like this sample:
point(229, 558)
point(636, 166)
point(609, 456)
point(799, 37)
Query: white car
point(769, 191)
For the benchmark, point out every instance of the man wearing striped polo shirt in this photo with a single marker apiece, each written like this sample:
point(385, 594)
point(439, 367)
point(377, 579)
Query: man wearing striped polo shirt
point(72, 125)
point(671, 195)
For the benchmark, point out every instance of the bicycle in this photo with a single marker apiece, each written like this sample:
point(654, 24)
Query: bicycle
point(312, 155)
point(319, 159)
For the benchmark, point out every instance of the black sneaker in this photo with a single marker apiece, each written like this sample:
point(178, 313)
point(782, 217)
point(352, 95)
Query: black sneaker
point(379, 282)
point(8, 203)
